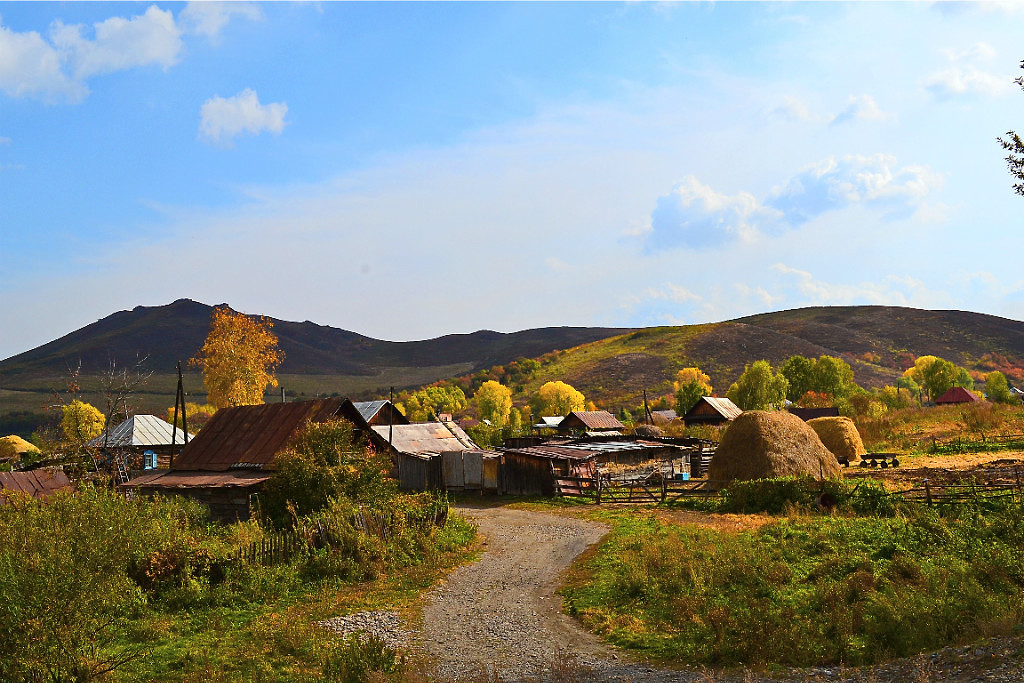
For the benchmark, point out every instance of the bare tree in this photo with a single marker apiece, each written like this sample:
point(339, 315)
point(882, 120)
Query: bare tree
point(1015, 146)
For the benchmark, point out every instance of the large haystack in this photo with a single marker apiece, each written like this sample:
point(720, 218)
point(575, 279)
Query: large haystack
point(840, 436)
point(761, 444)
point(13, 447)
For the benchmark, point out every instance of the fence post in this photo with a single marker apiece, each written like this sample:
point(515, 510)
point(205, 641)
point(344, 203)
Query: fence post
point(664, 488)
point(927, 492)
point(598, 489)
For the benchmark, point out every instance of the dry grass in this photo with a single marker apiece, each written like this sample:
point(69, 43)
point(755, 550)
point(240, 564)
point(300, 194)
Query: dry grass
point(839, 435)
point(769, 444)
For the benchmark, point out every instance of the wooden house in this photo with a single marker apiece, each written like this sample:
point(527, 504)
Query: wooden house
point(590, 422)
point(710, 410)
point(806, 414)
point(227, 463)
point(142, 442)
point(437, 455)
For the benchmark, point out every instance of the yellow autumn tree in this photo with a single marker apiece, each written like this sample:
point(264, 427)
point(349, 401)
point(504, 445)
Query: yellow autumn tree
point(493, 403)
point(557, 398)
point(81, 422)
point(690, 385)
point(238, 359)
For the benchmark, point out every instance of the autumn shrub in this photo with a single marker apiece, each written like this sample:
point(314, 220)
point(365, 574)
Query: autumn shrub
point(69, 571)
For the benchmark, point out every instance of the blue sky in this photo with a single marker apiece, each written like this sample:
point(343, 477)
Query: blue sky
point(410, 170)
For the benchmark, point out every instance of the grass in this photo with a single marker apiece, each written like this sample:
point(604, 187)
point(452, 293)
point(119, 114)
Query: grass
point(803, 589)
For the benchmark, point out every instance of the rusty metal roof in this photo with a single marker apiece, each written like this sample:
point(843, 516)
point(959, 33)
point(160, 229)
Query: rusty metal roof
point(591, 420)
point(140, 430)
point(41, 483)
point(957, 395)
point(250, 436)
point(174, 479)
point(554, 452)
point(426, 437)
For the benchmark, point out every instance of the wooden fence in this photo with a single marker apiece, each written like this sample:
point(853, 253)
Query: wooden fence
point(987, 443)
point(634, 491)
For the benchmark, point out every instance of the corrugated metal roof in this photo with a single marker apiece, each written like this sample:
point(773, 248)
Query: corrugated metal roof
point(426, 437)
point(591, 420)
point(140, 430)
point(368, 409)
point(184, 480)
point(550, 422)
point(555, 452)
point(41, 483)
point(251, 434)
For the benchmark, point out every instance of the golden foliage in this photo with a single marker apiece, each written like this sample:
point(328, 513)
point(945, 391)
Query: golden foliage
point(687, 375)
point(81, 422)
point(493, 403)
point(238, 359)
point(557, 398)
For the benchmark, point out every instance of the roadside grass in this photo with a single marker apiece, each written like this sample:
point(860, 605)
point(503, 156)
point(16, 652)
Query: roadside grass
point(806, 589)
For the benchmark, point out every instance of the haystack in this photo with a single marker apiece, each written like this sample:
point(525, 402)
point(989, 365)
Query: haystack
point(13, 447)
point(761, 444)
point(840, 436)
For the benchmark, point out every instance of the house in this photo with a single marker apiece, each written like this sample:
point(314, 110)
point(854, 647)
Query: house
point(142, 441)
point(40, 484)
point(550, 422)
point(710, 410)
point(366, 414)
point(591, 422)
point(957, 395)
point(663, 416)
point(436, 455)
point(227, 463)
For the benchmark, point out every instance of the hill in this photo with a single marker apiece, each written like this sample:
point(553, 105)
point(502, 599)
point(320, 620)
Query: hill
point(611, 366)
point(879, 342)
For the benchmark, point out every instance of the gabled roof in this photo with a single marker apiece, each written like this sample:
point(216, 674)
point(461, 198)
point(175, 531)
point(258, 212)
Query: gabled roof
point(37, 483)
point(549, 422)
point(140, 430)
point(425, 437)
point(366, 413)
point(722, 406)
point(250, 436)
point(957, 395)
point(591, 420)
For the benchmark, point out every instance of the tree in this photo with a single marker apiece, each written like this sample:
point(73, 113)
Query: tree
point(1015, 146)
point(799, 372)
point(238, 359)
point(833, 376)
point(493, 403)
point(81, 422)
point(997, 389)
point(556, 398)
point(429, 402)
point(758, 388)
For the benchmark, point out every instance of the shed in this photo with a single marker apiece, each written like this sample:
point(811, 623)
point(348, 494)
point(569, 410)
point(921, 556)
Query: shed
point(711, 410)
point(807, 414)
point(531, 471)
point(40, 484)
point(416, 450)
point(663, 416)
point(141, 433)
point(591, 422)
point(240, 444)
point(957, 395)
point(549, 422)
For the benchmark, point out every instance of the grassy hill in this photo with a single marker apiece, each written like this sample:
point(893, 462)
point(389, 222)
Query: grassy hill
point(610, 366)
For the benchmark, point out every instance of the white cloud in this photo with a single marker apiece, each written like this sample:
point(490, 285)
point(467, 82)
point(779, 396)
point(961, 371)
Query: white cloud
point(209, 18)
point(861, 108)
point(893, 290)
point(792, 109)
point(222, 119)
point(148, 39)
point(671, 292)
point(29, 66)
point(694, 215)
point(5, 141)
point(964, 76)
point(874, 181)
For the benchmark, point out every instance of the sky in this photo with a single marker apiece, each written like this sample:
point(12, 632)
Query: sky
point(409, 170)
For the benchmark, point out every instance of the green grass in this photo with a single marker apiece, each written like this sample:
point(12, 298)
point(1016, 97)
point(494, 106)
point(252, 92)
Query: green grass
point(804, 590)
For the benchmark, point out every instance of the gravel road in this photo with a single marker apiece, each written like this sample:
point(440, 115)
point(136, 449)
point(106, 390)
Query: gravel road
point(499, 619)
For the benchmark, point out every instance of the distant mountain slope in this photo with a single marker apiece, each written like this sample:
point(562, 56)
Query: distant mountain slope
point(166, 334)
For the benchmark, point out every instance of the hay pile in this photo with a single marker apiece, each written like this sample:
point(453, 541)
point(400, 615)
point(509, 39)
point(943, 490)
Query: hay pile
point(12, 447)
point(761, 444)
point(840, 436)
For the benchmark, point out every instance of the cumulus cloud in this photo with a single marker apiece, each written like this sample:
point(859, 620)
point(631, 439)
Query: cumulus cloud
point(695, 215)
point(209, 18)
point(891, 291)
point(30, 66)
point(222, 119)
point(152, 38)
point(874, 181)
point(860, 108)
point(965, 76)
